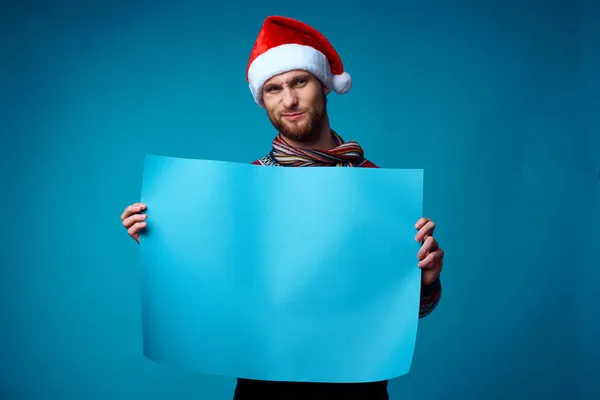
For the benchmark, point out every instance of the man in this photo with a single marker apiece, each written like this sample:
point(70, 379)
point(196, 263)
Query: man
point(291, 71)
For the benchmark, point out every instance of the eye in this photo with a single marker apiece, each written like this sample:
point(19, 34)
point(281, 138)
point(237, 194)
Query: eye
point(270, 89)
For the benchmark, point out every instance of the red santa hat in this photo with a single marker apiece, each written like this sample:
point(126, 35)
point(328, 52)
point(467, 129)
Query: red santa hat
point(284, 44)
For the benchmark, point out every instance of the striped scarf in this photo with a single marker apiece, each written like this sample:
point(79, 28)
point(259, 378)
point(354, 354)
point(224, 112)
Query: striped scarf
point(344, 154)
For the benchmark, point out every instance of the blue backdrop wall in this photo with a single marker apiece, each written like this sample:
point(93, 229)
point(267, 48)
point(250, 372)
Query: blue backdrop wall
point(495, 100)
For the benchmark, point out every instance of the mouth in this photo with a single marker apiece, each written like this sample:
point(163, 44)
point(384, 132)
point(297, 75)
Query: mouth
point(292, 116)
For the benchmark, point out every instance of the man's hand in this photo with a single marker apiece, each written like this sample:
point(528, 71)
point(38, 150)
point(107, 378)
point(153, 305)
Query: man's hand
point(431, 256)
point(133, 220)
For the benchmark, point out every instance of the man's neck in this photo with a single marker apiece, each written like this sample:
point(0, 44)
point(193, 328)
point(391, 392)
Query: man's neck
point(323, 140)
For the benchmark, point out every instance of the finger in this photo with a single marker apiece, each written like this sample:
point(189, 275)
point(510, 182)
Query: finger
point(425, 249)
point(433, 259)
point(421, 222)
point(426, 230)
point(132, 209)
point(135, 228)
point(129, 221)
point(429, 245)
point(128, 211)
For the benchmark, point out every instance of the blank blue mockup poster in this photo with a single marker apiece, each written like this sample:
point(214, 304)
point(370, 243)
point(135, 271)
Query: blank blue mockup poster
point(286, 274)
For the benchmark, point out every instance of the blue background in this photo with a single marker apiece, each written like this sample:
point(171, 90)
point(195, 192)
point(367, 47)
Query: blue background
point(495, 100)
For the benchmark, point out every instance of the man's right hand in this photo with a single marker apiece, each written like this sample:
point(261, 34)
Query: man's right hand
point(133, 220)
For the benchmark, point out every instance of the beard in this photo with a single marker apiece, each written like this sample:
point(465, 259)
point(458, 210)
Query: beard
point(303, 131)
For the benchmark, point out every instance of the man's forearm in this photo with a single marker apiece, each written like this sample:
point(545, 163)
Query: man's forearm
point(430, 297)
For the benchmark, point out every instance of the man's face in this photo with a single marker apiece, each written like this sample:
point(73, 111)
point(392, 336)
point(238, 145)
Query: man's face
point(295, 102)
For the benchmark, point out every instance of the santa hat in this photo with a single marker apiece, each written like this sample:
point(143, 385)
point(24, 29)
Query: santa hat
point(284, 44)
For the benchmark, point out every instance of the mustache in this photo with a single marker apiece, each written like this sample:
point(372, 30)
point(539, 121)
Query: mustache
point(294, 111)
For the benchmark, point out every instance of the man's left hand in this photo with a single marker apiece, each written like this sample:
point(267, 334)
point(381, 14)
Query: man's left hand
point(430, 255)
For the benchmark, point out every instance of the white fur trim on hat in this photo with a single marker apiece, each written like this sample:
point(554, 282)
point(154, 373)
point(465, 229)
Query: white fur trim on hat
point(289, 57)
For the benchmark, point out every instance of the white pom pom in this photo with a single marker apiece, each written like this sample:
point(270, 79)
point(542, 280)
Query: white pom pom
point(342, 83)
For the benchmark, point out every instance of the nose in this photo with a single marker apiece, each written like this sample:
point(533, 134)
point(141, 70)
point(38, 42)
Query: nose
point(290, 99)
